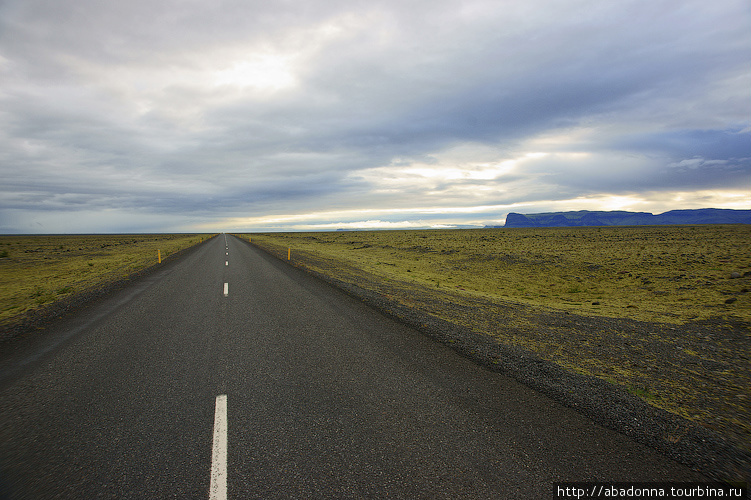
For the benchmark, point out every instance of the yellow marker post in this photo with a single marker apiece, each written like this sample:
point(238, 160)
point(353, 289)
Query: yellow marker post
point(159, 255)
point(289, 252)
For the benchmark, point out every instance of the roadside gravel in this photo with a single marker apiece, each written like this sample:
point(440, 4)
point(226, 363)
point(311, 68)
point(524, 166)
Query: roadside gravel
point(521, 341)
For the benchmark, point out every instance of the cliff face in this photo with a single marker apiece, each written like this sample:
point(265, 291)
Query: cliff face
point(519, 220)
point(623, 218)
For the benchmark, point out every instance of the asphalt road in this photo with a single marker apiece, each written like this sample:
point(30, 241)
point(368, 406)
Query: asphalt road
point(324, 397)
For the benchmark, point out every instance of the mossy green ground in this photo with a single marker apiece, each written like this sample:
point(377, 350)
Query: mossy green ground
point(651, 309)
point(666, 273)
point(39, 269)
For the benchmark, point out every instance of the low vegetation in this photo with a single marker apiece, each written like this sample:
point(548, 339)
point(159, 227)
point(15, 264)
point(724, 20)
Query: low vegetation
point(662, 312)
point(36, 270)
point(670, 274)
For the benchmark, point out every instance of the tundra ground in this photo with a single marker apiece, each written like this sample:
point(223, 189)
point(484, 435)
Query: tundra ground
point(37, 270)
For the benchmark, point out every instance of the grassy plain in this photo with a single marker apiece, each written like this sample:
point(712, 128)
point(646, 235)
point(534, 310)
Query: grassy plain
point(39, 269)
point(654, 310)
point(665, 273)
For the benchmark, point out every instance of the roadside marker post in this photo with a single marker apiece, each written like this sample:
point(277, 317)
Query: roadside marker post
point(159, 255)
point(289, 253)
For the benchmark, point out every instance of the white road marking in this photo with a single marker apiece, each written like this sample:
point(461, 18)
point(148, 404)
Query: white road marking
point(226, 262)
point(226, 289)
point(218, 488)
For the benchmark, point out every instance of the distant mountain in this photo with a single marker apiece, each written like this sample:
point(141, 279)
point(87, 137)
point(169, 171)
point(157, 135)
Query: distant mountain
point(623, 218)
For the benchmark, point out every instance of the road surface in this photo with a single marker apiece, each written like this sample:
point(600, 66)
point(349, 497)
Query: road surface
point(230, 374)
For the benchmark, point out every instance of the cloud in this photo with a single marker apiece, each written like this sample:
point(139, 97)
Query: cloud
point(205, 112)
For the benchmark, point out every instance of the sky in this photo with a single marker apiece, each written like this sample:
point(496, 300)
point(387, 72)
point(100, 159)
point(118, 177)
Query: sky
point(278, 115)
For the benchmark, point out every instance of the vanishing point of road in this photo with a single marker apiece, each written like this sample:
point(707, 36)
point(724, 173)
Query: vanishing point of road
point(230, 374)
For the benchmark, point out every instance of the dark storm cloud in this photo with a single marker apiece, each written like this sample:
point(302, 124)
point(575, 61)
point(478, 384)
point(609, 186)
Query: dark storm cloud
point(733, 144)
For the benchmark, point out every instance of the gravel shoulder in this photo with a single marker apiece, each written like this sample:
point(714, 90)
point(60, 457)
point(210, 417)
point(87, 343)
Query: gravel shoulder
point(623, 374)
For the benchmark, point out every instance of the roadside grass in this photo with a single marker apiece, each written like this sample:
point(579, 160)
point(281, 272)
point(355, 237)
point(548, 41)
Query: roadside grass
point(669, 274)
point(643, 308)
point(36, 270)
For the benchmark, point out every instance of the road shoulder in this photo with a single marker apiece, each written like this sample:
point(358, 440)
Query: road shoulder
point(607, 404)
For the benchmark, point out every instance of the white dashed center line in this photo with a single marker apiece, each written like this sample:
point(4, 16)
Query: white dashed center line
point(226, 289)
point(218, 487)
